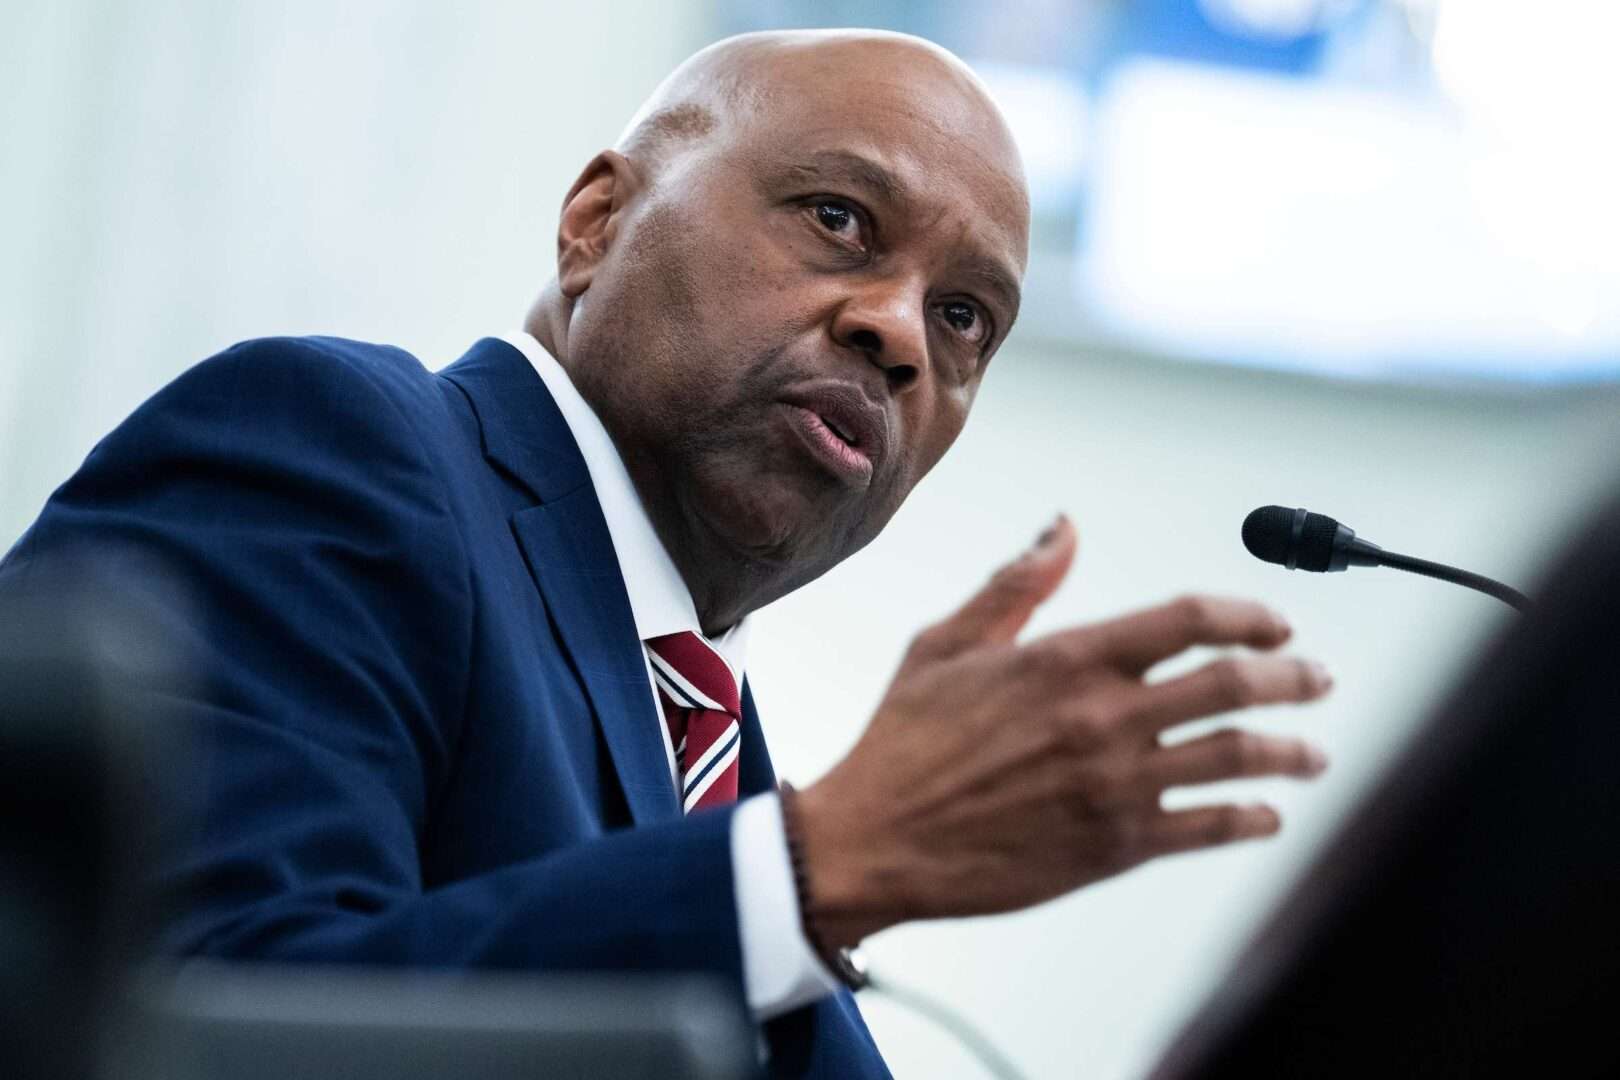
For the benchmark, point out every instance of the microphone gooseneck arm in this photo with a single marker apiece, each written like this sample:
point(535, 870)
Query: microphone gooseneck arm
point(1413, 565)
point(1300, 540)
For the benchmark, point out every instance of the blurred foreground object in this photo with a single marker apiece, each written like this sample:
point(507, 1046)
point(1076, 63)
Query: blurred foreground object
point(75, 669)
point(212, 1021)
point(1463, 922)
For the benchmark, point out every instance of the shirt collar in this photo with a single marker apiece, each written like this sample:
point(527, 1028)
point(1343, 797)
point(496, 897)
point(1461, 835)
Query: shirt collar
point(659, 599)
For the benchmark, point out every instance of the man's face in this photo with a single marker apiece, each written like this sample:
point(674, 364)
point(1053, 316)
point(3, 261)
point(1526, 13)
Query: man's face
point(792, 322)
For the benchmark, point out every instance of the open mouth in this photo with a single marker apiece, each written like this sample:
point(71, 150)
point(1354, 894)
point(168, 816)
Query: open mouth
point(846, 430)
point(832, 445)
point(832, 425)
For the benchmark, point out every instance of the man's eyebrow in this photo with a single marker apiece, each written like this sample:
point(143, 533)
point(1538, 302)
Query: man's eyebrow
point(997, 279)
point(853, 167)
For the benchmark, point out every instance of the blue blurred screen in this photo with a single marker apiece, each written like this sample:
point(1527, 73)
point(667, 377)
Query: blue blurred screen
point(1364, 188)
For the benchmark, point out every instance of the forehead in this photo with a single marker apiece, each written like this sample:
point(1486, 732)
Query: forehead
point(931, 139)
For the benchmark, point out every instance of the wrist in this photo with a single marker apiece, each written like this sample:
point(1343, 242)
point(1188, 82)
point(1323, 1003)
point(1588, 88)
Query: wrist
point(842, 898)
point(834, 953)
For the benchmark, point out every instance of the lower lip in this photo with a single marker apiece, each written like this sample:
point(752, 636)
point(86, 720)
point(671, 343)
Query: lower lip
point(840, 458)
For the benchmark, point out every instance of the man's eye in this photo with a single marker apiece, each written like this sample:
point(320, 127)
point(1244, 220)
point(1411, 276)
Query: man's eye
point(834, 217)
point(964, 319)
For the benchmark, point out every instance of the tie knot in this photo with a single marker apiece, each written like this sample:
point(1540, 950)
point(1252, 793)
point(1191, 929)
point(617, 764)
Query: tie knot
point(694, 676)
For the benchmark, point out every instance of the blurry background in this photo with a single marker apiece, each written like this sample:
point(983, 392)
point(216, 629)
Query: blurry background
point(1361, 255)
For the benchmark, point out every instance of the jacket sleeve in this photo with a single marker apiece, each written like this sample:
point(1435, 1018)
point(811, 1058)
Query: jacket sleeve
point(321, 603)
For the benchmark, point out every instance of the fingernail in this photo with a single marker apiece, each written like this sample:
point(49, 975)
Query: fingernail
point(1316, 760)
point(1050, 534)
point(1321, 681)
point(1280, 626)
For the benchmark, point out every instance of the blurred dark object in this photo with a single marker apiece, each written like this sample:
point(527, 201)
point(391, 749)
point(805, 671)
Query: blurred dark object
point(1466, 920)
point(69, 771)
point(215, 1021)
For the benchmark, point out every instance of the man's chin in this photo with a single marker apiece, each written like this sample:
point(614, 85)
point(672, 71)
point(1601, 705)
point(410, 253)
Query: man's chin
point(771, 523)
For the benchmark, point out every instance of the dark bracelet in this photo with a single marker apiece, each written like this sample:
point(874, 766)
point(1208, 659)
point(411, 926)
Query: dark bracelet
point(845, 964)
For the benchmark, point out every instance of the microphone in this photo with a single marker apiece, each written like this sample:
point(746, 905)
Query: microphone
point(1301, 540)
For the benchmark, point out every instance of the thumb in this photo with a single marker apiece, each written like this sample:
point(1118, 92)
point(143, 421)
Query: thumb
point(996, 613)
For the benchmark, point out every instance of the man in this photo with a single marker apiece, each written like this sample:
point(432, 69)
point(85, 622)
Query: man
point(469, 645)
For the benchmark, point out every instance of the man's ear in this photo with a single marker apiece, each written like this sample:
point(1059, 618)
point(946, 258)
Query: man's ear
point(591, 215)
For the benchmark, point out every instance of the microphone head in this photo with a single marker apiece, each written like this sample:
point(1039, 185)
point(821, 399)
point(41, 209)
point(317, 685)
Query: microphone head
point(1268, 532)
point(1291, 538)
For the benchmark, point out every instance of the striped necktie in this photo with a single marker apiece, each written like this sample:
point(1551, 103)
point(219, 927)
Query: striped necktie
point(703, 711)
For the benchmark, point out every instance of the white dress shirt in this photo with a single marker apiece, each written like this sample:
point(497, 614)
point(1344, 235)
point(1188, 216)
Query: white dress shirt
point(780, 969)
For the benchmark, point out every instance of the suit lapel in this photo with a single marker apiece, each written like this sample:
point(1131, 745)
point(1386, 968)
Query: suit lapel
point(754, 771)
point(570, 555)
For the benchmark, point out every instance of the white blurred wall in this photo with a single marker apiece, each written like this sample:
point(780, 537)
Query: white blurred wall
point(180, 175)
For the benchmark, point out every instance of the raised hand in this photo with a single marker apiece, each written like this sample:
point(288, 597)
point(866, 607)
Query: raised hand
point(996, 775)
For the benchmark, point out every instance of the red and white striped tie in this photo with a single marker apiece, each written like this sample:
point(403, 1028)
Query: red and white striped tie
point(703, 711)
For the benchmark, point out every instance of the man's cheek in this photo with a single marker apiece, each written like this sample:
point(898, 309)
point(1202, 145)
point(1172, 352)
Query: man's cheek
point(920, 459)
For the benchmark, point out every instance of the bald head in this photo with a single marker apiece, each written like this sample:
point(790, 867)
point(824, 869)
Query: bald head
point(746, 80)
point(780, 293)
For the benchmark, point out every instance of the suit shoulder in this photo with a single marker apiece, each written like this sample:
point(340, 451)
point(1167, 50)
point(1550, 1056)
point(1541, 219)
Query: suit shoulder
point(289, 397)
point(315, 361)
point(313, 380)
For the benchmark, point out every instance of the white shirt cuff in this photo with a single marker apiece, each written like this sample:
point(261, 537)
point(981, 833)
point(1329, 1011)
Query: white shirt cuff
point(780, 970)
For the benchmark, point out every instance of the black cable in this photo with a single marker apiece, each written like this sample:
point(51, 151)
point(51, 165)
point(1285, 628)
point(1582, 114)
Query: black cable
point(1443, 572)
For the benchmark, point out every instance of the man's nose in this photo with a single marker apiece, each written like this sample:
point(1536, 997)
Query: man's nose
point(887, 321)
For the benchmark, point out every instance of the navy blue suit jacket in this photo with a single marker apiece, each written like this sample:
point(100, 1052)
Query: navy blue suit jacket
point(424, 726)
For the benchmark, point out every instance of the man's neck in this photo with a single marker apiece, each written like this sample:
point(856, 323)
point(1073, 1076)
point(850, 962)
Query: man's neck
point(718, 580)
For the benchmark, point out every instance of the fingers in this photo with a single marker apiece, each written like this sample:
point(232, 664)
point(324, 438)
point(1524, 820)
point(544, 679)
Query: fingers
point(1228, 755)
point(1203, 827)
point(999, 611)
point(1137, 642)
point(1228, 684)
